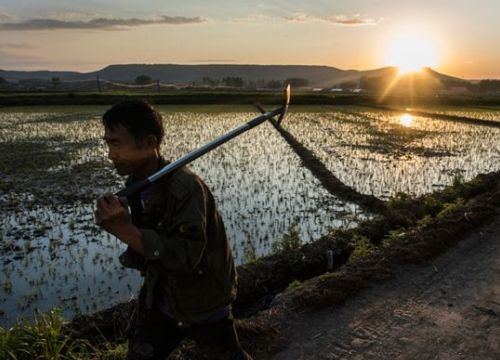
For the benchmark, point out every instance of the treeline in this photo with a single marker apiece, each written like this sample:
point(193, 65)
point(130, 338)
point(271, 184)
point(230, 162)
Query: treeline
point(488, 85)
point(144, 80)
point(235, 82)
point(423, 83)
point(239, 82)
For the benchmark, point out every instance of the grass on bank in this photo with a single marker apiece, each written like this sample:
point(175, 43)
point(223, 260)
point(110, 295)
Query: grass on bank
point(47, 337)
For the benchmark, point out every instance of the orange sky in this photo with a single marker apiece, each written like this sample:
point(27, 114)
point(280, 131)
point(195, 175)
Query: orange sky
point(460, 37)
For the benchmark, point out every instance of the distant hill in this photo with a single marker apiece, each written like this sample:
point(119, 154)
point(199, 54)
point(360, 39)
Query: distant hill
point(318, 76)
point(42, 75)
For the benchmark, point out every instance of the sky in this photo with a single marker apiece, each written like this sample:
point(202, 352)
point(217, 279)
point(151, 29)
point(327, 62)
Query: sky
point(459, 38)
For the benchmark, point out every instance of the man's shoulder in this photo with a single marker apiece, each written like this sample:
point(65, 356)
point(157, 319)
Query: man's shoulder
point(183, 183)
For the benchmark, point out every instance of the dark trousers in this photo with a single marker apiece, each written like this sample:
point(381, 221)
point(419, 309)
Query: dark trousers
point(156, 335)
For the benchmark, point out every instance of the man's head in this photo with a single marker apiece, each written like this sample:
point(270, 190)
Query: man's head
point(133, 131)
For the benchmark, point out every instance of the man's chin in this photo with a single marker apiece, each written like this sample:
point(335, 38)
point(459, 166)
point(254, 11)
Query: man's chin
point(122, 171)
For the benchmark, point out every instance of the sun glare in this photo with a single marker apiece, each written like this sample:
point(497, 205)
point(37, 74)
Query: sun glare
point(406, 120)
point(411, 53)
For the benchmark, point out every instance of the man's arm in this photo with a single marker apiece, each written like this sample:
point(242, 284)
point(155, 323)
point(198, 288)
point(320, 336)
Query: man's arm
point(181, 250)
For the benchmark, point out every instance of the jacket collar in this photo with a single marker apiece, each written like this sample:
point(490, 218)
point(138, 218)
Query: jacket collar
point(161, 163)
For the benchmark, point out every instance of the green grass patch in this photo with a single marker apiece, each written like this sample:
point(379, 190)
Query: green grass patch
point(362, 247)
point(43, 338)
point(48, 337)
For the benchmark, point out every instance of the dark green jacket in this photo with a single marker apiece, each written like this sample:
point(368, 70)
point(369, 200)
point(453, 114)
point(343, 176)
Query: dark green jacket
point(187, 253)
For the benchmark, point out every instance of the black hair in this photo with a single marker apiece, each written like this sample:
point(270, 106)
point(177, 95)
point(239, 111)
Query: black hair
point(137, 116)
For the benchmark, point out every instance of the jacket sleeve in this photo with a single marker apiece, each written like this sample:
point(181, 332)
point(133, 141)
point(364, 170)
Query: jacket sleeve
point(181, 250)
point(131, 259)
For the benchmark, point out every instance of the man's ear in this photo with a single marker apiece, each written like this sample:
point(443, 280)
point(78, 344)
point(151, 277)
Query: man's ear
point(151, 141)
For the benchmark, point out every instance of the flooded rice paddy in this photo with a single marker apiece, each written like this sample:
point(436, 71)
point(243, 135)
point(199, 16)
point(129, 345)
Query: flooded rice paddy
point(489, 113)
point(53, 166)
point(381, 153)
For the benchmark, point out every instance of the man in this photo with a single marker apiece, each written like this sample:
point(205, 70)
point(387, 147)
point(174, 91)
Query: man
point(176, 239)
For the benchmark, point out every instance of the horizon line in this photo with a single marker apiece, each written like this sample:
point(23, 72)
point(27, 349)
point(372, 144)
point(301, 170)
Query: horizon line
point(243, 64)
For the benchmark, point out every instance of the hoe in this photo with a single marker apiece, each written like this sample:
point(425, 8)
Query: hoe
point(195, 154)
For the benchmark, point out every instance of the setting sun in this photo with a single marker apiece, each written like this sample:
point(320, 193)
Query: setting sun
point(411, 53)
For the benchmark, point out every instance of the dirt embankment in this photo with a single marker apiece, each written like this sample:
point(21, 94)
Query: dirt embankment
point(447, 309)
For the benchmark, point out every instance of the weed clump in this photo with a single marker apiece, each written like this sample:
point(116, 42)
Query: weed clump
point(290, 241)
point(44, 338)
point(295, 284)
point(451, 208)
point(362, 247)
point(48, 336)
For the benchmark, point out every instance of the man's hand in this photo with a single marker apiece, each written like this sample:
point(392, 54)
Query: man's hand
point(113, 216)
point(112, 213)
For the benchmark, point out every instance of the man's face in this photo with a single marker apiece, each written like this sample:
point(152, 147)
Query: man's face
point(124, 150)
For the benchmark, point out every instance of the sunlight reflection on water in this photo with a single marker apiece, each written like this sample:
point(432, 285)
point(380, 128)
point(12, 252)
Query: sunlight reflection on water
point(406, 120)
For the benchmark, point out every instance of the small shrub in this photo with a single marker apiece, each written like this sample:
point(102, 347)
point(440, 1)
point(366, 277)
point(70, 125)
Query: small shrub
point(398, 201)
point(118, 352)
point(291, 241)
point(450, 208)
point(362, 247)
point(295, 284)
point(393, 236)
point(426, 220)
point(431, 205)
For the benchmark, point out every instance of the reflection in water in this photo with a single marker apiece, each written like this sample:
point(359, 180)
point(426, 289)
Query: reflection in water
point(384, 171)
point(406, 120)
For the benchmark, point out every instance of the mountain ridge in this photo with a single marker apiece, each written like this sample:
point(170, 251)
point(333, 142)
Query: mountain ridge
point(318, 75)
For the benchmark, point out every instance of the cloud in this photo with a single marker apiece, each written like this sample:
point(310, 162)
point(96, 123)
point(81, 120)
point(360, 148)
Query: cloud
point(299, 17)
point(97, 23)
point(6, 17)
point(337, 19)
point(253, 19)
point(351, 20)
point(17, 46)
point(75, 16)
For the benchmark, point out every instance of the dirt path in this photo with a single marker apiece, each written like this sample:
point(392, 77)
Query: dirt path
point(447, 309)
